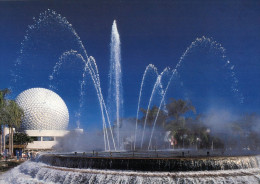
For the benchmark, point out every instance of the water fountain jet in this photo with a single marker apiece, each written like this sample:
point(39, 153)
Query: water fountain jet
point(115, 89)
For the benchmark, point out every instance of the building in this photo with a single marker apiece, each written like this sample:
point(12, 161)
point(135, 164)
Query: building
point(46, 117)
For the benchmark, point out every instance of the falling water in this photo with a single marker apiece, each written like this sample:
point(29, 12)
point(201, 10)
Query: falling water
point(173, 72)
point(215, 46)
point(51, 17)
point(115, 89)
point(47, 22)
point(91, 67)
point(220, 51)
point(38, 172)
point(157, 86)
point(56, 69)
point(115, 97)
point(152, 68)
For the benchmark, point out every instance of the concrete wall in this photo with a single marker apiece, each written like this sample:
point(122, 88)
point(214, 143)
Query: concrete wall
point(152, 164)
point(44, 133)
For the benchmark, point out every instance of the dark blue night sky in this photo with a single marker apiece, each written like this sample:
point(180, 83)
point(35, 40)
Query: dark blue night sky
point(156, 32)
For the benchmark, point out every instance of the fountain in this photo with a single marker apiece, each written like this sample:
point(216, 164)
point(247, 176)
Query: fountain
point(157, 85)
point(66, 168)
point(115, 165)
point(115, 89)
point(154, 69)
point(112, 111)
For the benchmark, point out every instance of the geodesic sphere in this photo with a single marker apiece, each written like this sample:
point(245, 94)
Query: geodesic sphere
point(43, 110)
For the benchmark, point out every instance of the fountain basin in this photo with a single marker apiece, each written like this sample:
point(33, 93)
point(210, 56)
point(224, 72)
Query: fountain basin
point(199, 163)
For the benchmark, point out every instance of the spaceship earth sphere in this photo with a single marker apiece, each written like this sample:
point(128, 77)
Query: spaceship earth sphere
point(43, 110)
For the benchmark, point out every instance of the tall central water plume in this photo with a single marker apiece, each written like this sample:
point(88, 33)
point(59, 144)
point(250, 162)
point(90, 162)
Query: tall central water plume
point(115, 89)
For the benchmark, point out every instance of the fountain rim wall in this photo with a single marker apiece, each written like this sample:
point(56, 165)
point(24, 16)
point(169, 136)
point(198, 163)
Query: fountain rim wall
point(200, 163)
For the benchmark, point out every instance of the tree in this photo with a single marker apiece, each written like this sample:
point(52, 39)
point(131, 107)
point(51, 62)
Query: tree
point(152, 115)
point(176, 120)
point(15, 115)
point(21, 138)
point(177, 108)
point(182, 129)
point(3, 116)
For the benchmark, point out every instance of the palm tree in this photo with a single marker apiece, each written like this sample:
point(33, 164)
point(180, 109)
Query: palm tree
point(3, 116)
point(176, 122)
point(15, 115)
point(1, 108)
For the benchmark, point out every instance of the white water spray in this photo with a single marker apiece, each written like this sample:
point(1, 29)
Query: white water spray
point(51, 17)
point(157, 85)
point(147, 69)
point(215, 46)
point(115, 90)
point(38, 172)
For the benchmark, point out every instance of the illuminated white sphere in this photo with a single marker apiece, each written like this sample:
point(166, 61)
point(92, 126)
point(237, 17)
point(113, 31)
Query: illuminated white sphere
point(43, 110)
